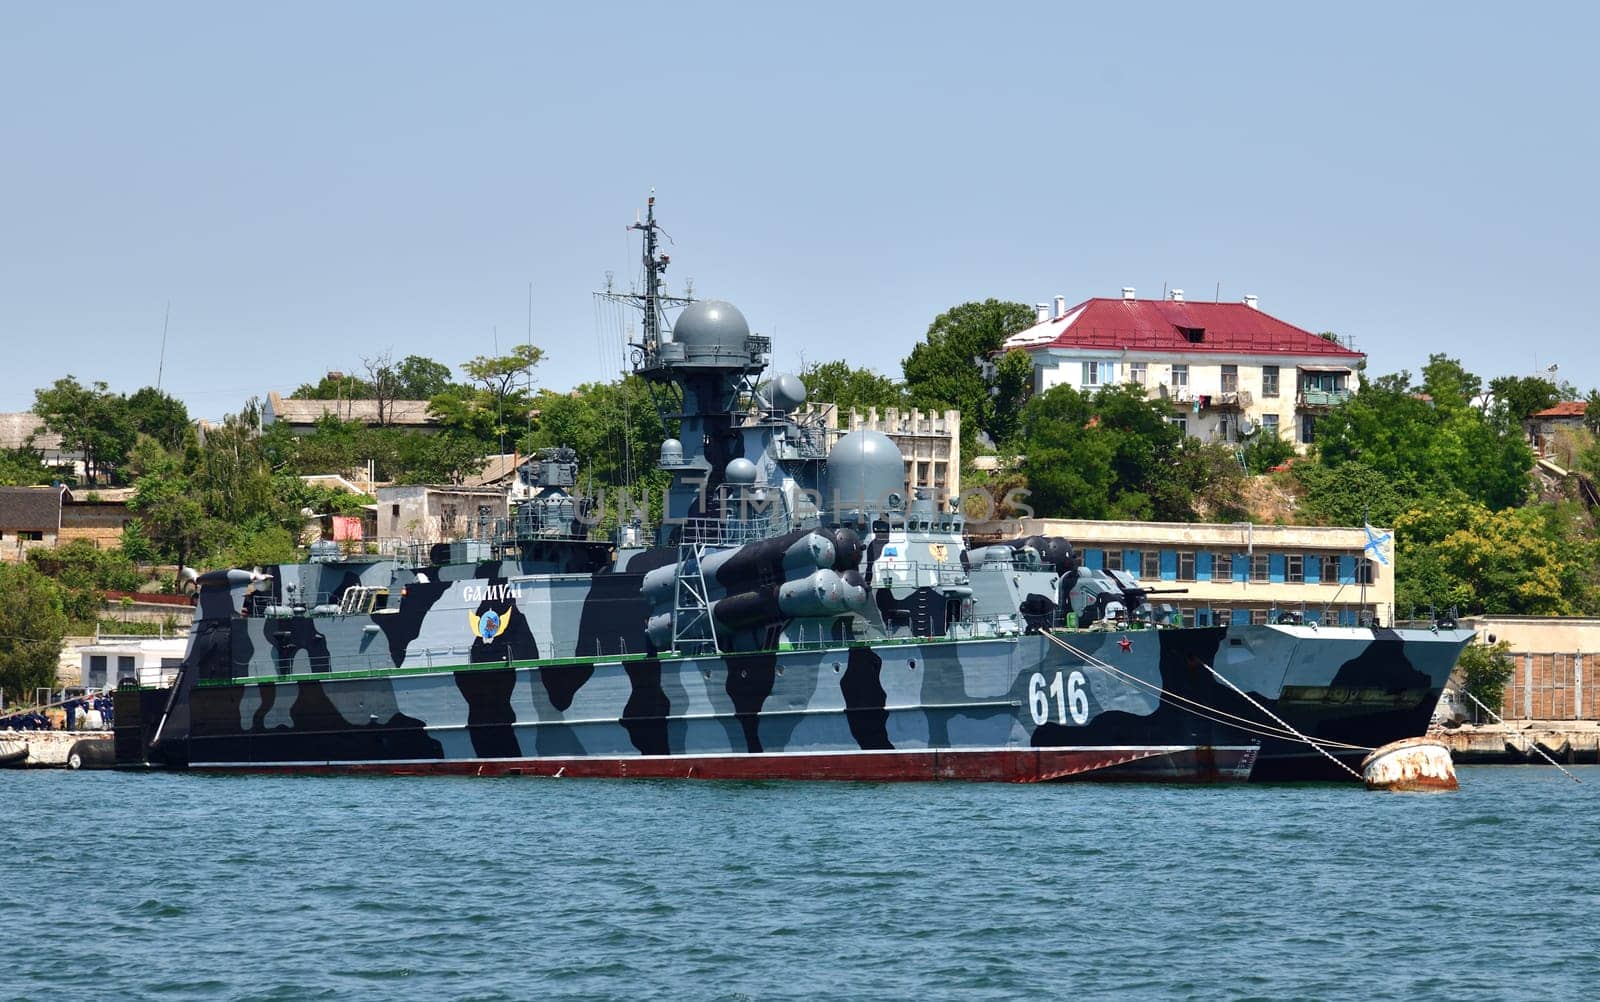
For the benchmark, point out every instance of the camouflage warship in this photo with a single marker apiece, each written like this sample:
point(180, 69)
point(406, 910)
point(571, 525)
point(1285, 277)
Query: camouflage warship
point(794, 615)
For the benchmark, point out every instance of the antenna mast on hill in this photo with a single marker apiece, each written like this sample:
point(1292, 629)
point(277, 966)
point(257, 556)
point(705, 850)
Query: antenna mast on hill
point(161, 366)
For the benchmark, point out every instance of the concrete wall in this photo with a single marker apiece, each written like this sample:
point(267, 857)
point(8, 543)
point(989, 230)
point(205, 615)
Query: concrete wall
point(434, 514)
point(1555, 659)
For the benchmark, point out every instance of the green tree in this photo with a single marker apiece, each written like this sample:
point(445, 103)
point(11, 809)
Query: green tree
point(840, 383)
point(1486, 671)
point(1013, 384)
point(498, 377)
point(1591, 412)
point(422, 378)
point(32, 624)
point(1350, 494)
point(1429, 440)
point(334, 386)
point(22, 468)
point(1521, 561)
point(160, 415)
point(1264, 452)
point(948, 368)
point(90, 419)
point(1113, 455)
point(1523, 396)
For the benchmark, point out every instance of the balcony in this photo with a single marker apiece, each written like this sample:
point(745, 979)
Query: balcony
point(1315, 399)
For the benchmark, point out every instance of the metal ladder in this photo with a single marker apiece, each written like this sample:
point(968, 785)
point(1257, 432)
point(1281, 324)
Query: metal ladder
point(693, 631)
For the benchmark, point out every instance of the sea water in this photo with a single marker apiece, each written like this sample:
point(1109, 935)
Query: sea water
point(165, 886)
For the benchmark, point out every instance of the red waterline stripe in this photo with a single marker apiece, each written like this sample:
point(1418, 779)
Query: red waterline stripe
point(1029, 765)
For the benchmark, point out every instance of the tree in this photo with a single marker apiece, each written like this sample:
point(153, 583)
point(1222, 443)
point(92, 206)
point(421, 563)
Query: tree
point(384, 381)
point(334, 386)
point(32, 625)
point(1486, 671)
point(1013, 384)
point(1113, 455)
point(422, 378)
point(1264, 452)
point(1430, 441)
point(847, 387)
point(498, 376)
point(175, 522)
point(1591, 412)
point(90, 419)
point(1523, 396)
point(1351, 494)
point(948, 368)
point(22, 468)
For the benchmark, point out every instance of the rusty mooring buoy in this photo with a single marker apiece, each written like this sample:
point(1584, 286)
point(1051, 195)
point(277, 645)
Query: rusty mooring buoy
point(1408, 765)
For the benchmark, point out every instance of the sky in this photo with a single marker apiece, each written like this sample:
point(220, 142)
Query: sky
point(309, 184)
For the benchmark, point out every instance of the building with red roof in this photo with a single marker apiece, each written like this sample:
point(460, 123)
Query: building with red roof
point(1229, 370)
point(1544, 425)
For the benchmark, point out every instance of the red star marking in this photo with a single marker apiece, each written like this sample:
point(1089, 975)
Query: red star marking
point(1125, 644)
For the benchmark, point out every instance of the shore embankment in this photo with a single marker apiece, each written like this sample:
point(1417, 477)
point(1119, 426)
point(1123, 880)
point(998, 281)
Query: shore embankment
point(48, 749)
point(1570, 742)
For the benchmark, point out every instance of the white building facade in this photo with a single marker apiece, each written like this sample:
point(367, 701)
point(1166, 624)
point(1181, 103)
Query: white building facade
point(1229, 371)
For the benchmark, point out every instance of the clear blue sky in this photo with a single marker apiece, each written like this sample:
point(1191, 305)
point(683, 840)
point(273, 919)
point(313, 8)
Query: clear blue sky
point(308, 183)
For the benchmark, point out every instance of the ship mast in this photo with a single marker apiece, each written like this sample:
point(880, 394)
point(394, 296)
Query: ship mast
point(655, 264)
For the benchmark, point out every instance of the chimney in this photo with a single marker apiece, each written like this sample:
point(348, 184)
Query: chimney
point(1127, 293)
point(1251, 302)
point(1177, 295)
point(1061, 307)
point(1043, 310)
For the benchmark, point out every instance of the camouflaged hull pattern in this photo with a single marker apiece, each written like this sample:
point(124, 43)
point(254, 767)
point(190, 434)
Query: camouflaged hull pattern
point(485, 675)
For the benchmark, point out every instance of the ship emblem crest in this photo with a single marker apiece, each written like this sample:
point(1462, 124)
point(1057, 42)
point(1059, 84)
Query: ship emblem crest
point(489, 625)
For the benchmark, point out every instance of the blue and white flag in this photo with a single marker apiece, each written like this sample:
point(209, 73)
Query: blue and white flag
point(1375, 543)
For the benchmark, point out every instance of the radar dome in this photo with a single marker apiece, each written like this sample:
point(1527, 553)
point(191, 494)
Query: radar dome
point(712, 332)
point(740, 471)
point(785, 392)
point(671, 452)
point(866, 473)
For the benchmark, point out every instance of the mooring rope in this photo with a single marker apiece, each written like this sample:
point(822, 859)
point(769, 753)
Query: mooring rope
point(1531, 742)
point(1249, 699)
point(1202, 710)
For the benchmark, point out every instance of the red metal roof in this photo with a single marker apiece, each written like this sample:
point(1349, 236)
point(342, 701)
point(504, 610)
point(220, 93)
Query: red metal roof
point(1162, 325)
point(1566, 408)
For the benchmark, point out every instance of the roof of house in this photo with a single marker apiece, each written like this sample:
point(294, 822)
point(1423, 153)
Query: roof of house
point(16, 427)
point(1565, 409)
point(1177, 327)
point(30, 509)
point(308, 412)
point(497, 468)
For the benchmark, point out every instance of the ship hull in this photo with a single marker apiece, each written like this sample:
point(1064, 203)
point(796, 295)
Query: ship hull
point(1017, 709)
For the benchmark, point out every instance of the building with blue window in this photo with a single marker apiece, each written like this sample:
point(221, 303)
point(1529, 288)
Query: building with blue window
point(1241, 572)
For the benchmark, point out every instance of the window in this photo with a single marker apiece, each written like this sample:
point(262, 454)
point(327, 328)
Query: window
point(34, 536)
point(1222, 567)
point(125, 667)
point(1269, 381)
point(1366, 571)
point(1180, 375)
point(1180, 422)
point(1150, 565)
point(1185, 566)
point(1269, 426)
point(1295, 572)
point(1113, 560)
point(1259, 567)
point(1230, 379)
point(1099, 373)
point(1258, 617)
point(1138, 372)
point(394, 511)
point(1308, 429)
point(1330, 570)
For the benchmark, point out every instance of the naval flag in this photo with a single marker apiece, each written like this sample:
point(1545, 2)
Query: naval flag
point(1375, 541)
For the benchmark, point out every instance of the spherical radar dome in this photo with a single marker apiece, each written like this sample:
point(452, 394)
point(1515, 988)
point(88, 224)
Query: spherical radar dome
point(740, 471)
point(865, 473)
point(785, 392)
point(711, 330)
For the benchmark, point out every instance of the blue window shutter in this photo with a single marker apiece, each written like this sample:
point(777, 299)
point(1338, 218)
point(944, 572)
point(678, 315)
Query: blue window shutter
point(1347, 617)
point(1130, 562)
point(1169, 565)
point(1347, 570)
point(1313, 569)
point(1241, 567)
point(1313, 616)
point(1202, 567)
point(1241, 617)
point(1095, 560)
point(1275, 568)
point(1202, 617)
